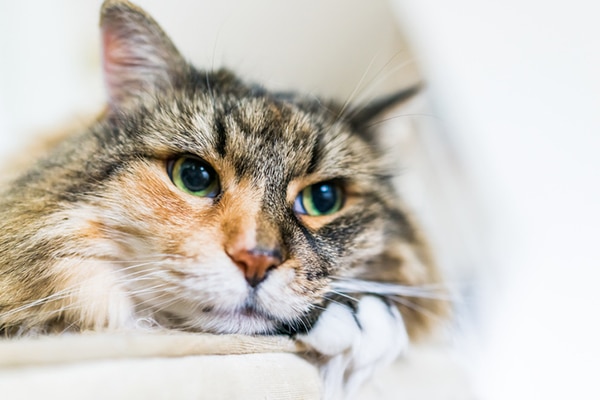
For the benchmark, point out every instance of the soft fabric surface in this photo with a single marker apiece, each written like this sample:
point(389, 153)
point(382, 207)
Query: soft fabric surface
point(155, 366)
point(85, 347)
point(202, 366)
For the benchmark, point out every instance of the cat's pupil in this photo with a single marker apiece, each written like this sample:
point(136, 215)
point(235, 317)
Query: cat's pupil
point(324, 197)
point(195, 176)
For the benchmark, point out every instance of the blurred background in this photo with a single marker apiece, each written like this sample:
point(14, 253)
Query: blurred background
point(499, 158)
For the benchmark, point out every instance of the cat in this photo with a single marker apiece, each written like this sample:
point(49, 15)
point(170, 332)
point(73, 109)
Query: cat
point(199, 202)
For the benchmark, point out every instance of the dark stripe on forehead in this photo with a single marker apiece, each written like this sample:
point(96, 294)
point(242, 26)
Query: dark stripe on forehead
point(221, 136)
point(316, 155)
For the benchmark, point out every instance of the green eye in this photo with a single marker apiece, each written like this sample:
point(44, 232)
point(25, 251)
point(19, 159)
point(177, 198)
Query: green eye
point(194, 176)
point(323, 198)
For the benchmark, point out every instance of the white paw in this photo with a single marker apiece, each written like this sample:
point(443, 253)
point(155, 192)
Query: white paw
point(353, 344)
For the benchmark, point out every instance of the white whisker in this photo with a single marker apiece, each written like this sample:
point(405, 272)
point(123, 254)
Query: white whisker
point(350, 98)
point(348, 285)
point(365, 97)
point(343, 295)
point(411, 115)
point(53, 297)
point(407, 303)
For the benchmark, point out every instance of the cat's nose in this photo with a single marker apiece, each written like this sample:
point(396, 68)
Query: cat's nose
point(256, 263)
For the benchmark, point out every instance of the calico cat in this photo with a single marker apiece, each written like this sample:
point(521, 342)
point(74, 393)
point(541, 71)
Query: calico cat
point(202, 203)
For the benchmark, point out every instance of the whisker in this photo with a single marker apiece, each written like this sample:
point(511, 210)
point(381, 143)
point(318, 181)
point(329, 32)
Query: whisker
point(68, 327)
point(383, 288)
point(144, 274)
point(350, 98)
point(301, 321)
point(53, 297)
point(423, 310)
point(157, 307)
point(154, 258)
point(411, 115)
point(365, 96)
point(150, 289)
point(337, 302)
point(343, 295)
point(371, 83)
point(318, 307)
point(427, 286)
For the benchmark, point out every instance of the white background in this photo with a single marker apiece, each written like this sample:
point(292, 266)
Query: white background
point(518, 85)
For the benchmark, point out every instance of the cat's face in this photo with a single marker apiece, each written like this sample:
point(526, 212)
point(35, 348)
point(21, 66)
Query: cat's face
point(204, 203)
point(238, 212)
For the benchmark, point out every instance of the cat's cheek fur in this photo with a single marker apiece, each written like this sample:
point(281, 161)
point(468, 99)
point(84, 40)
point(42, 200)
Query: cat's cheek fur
point(96, 298)
point(350, 345)
point(196, 275)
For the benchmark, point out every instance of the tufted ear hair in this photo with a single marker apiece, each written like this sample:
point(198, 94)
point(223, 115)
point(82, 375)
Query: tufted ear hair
point(366, 115)
point(138, 57)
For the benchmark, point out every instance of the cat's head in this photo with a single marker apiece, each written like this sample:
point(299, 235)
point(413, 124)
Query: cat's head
point(220, 206)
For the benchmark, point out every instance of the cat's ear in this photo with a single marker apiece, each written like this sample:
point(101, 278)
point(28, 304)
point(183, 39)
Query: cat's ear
point(138, 57)
point(366, 115)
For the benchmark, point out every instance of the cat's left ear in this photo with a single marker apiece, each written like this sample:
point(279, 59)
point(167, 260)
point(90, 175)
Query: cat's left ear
point(367, 115)
point(138, 57)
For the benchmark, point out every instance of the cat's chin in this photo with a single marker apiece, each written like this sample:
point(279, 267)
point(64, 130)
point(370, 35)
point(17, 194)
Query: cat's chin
point(246, 321)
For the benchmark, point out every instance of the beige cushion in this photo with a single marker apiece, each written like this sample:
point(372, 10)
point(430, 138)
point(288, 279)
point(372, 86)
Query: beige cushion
point(155, 366)
point(203, 366)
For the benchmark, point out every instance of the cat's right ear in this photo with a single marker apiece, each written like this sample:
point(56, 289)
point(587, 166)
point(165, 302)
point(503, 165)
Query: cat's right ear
point(367, 114)
point(138, 57)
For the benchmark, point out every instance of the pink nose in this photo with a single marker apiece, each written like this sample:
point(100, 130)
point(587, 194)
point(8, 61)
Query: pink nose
point(255, 264)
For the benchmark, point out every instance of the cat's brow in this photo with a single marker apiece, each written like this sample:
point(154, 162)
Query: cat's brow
point(221, 145)
point(316, 155)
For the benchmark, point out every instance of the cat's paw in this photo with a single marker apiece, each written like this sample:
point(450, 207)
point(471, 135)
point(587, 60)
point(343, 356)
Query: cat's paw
point(351, 344)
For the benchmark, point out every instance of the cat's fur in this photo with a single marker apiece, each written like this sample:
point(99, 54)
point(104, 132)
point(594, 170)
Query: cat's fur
point(96, 236)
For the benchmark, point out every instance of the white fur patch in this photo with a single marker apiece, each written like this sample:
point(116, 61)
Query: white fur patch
point(353, 345)
point(335, 331)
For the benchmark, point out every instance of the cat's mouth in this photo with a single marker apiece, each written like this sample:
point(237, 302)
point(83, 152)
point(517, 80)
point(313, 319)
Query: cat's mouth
point(241, 310)
point(247, 310)
point(251, 311)
point(247, 319)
